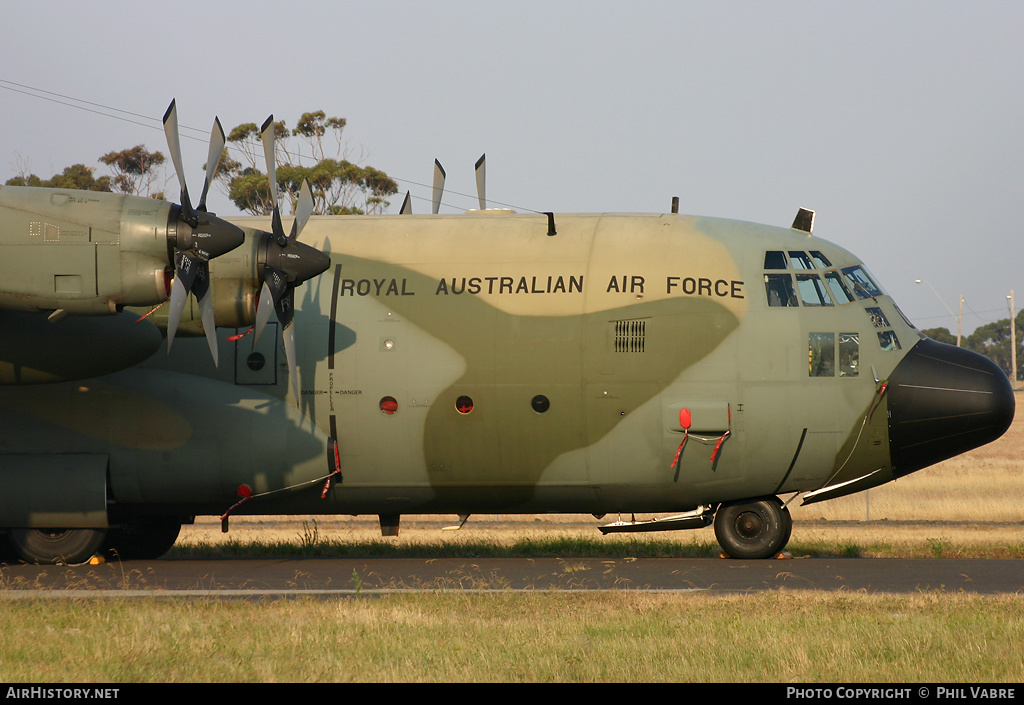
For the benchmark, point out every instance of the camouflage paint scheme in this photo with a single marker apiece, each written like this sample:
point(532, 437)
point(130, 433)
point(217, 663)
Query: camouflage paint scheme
point(619, 321)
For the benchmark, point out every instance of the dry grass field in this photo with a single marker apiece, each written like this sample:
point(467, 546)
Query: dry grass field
point(968, 506)
point(969, 503)
point(510, 637)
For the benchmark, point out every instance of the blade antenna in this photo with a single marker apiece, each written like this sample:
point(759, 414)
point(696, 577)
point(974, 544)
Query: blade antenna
point(439, 177)
point(481, 178)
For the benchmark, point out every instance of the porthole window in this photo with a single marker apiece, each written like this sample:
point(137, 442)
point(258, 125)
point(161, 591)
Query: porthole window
point(540, 403)
point(255, 361)
point(388, 405)
point(464, 404)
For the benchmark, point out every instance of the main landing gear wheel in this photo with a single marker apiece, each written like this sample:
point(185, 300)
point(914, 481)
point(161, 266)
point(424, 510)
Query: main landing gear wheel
point(142, 540)
point(757, 528)
point(56, 545)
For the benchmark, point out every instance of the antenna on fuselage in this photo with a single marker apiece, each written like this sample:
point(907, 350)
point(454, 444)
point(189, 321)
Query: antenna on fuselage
point(804, 220)
point(439, 177)
point(481, 177)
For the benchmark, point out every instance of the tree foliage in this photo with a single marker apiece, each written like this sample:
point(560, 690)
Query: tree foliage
point(134, 170)
point(940, 335)
point(339, 186)
point(76, 176)
point(991, 340)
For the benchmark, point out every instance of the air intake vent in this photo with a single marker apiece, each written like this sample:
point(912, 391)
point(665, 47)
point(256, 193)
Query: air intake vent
point(629, 335)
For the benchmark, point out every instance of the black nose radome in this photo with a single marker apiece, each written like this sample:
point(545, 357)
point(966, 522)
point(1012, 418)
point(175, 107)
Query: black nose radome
point(943, 401)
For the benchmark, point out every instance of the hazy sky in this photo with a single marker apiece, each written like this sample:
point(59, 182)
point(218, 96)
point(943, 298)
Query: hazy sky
point(900, 123)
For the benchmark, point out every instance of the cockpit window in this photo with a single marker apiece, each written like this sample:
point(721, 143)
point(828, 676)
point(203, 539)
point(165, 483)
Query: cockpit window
point(849, 354)
point(821, 355)
point(840, 291)
point(888, 340)
point(820, 289)
point(774, 259)
point(877, 317)
point(812, 290)
point(820, 260)
point(779, 290)
point(903, 316)
point(861, 282)
point(800, 260)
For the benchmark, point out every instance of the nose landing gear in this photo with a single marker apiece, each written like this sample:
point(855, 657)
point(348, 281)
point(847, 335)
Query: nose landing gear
point(753, 528)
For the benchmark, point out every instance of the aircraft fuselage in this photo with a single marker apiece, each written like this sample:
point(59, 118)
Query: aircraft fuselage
point(475, 363)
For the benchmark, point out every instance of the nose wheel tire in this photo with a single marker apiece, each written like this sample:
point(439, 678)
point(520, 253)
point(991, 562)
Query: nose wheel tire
point(757, 528)
point(56, 545)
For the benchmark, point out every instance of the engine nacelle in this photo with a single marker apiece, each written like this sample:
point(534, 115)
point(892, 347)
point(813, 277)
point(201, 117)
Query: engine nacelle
point(235, 280)
point(85, 252)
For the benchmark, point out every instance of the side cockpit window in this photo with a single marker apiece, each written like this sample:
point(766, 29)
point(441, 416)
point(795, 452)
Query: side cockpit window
point(822, 354)
point(862, 282)
point(887, 339)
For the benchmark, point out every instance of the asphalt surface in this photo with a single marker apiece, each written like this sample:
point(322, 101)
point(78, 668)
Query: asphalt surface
point(344, 576)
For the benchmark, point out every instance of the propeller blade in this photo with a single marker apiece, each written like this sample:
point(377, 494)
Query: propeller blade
point(285, 261)
point(439, 177)
point(204, 293)
point(278, 295)
point(481, 178)
point(303, 209)
point(199, 237)
point(274, 296)
point(178, 298)
point(217, 143)
point(288, 333)
point(406, 206)
point(267, 135)
point(264, 307)
point(284, 304)
point(186, 269)
point(174, 145)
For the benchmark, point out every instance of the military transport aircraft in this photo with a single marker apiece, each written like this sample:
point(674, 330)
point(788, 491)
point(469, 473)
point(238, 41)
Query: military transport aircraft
point(432, 364)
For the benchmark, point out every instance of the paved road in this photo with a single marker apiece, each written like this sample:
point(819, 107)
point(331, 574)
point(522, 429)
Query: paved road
point(346, 575)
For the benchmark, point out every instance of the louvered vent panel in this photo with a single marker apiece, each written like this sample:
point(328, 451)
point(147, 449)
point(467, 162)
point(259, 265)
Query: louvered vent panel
point(629, 335)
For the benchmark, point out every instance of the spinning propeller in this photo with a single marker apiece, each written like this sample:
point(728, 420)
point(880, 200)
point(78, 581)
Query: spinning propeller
point(284, 260)
point(198, 236)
